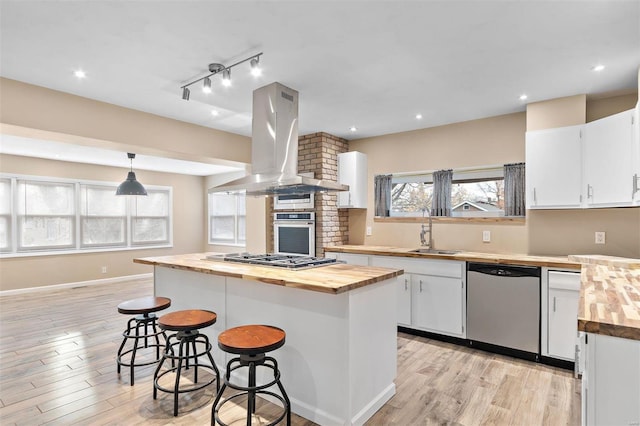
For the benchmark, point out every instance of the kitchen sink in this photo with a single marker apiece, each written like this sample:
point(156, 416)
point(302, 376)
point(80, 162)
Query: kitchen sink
point(434, 251)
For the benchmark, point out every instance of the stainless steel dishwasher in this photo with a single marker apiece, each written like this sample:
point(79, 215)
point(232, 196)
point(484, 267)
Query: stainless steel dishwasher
point(503, 307)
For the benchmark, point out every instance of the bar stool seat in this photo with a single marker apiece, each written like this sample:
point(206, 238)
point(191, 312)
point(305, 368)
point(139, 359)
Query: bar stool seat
point(251, 342)
point(144, 309)
point(186, 324)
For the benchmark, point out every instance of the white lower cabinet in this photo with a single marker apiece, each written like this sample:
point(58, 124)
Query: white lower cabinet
point(351, 258)
point(431, 294)
point(611, 381)
point(564, 292)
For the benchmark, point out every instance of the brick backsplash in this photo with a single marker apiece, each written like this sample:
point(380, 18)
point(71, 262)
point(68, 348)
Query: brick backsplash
point(318, 153)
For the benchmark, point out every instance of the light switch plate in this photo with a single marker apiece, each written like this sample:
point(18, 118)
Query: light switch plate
point(600, 237)
point(486, 236)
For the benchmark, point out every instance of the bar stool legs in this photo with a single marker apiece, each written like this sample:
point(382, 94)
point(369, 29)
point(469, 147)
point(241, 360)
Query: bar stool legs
point(182, 349)
point(251, 343)
point(138, 331)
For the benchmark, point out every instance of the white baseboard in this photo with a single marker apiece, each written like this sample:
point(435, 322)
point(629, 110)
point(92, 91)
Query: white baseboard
point(76, 284)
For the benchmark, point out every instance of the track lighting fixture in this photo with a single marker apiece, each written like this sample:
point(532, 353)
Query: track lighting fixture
point(215, 68)
point(226, 77)
point(255, 67)
point(207, 85)
point(131, 186)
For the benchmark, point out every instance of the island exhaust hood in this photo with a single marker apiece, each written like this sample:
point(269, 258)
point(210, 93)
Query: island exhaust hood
point(274, 148)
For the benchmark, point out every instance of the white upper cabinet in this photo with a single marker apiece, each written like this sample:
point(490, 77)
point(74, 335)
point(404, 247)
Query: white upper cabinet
point(352, 171)
point(610, 161)
point(554, 168)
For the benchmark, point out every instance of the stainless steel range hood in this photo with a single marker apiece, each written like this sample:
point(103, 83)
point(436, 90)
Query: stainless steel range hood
point(274, 148)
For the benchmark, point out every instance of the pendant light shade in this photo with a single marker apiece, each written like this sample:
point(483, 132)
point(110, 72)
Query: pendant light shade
point(131, 186)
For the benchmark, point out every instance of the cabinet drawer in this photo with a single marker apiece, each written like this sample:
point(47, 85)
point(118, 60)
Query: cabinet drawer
point(441, 268)
point(564, 280)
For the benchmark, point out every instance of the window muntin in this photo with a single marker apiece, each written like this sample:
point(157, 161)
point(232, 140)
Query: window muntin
point(227, 218)
point(46, 215)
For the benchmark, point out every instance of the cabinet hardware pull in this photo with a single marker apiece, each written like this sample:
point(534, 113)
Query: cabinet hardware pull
point(420, 286)
point(535, 199)
point(554, 304)
point(635, 185)
point(589, 191)
point(406, 284)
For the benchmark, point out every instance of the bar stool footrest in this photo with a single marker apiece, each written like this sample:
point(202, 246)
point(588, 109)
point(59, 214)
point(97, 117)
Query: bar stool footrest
point(238, 395)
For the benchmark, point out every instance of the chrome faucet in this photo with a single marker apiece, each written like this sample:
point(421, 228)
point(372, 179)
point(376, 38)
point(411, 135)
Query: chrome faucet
point(426, 228)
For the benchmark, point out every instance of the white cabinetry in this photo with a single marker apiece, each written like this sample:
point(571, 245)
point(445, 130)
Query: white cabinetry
point(609, 161)
point(554, 168)
point(351, 258)
point(431, 294)
point(611, 381)
point(564, 292)
point(592, 165)
point(352, 171)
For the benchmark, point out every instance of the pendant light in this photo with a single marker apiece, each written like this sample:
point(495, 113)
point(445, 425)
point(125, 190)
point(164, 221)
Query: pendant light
point(131, 186)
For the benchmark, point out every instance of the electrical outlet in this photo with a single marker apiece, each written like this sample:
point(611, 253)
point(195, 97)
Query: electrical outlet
point(600, 237)
point(369, 231)
point(486, 236)
point(104, 269)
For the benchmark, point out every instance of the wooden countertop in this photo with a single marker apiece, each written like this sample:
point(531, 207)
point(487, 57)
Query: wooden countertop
point(609, 296)
point(334, 279)
point(507, 259)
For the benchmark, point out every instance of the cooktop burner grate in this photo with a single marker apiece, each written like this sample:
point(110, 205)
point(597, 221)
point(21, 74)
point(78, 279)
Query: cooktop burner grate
point(276, 260)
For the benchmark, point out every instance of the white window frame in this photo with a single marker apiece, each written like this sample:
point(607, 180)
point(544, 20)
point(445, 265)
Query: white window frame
point(82, 217)
point(467, 174)
point(9, 218)
point(78, 247)
point(240, 197)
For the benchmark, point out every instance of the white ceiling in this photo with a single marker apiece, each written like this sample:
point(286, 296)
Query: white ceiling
point(373, 65)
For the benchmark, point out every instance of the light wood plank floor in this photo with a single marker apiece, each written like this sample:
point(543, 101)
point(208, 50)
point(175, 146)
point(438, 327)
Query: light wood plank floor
point(57, 366)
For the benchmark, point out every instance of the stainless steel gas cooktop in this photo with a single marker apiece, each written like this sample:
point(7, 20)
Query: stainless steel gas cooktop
point(276, 260)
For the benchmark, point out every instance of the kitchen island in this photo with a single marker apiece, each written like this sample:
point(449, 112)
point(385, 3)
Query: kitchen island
point(339, 360)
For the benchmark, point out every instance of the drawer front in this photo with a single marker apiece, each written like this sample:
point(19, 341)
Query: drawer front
point(564, 280)
point(441, 268)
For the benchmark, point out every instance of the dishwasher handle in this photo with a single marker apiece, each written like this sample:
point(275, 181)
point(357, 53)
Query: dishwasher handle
point(504, 270)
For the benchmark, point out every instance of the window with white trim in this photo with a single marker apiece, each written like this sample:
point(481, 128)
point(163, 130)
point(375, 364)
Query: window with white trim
point(477, 192)
point(5, 215)
point(53, 215)
point(227, 218)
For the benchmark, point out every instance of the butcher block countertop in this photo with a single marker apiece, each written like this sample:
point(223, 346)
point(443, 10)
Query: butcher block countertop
point(609, 296)
point(467, 256)
point(334, 279)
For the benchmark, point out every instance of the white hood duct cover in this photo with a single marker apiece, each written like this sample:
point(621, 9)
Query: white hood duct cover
point(274, 148)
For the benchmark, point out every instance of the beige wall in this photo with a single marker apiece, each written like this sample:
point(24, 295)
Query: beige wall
point(35, 271)
point(37, 112)
point(490, 141)
point(497, 140)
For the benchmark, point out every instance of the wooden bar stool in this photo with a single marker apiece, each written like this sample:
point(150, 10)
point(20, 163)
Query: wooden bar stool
point(144, 309)
point(251, 342)
point(186, 325)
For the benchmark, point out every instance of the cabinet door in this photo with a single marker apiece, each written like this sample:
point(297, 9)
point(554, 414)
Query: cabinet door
point(437, 304)
point(352, 171)
point(563, 323)
point(554, 168)
point(404, 300)
point(608, 161)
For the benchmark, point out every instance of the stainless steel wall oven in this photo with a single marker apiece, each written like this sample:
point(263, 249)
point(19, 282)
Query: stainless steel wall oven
point(294, 233)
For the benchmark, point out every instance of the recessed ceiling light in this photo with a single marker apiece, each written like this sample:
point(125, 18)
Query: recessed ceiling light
point(353, 129)
point(418, 116)
point(598, 68)
point(214, 113)
point(523, 97)
point(79, 74)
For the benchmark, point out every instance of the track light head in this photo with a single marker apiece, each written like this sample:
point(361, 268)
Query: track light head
point(255, 66)
point(207, 85)
point(185, 93)
point(226, 77)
